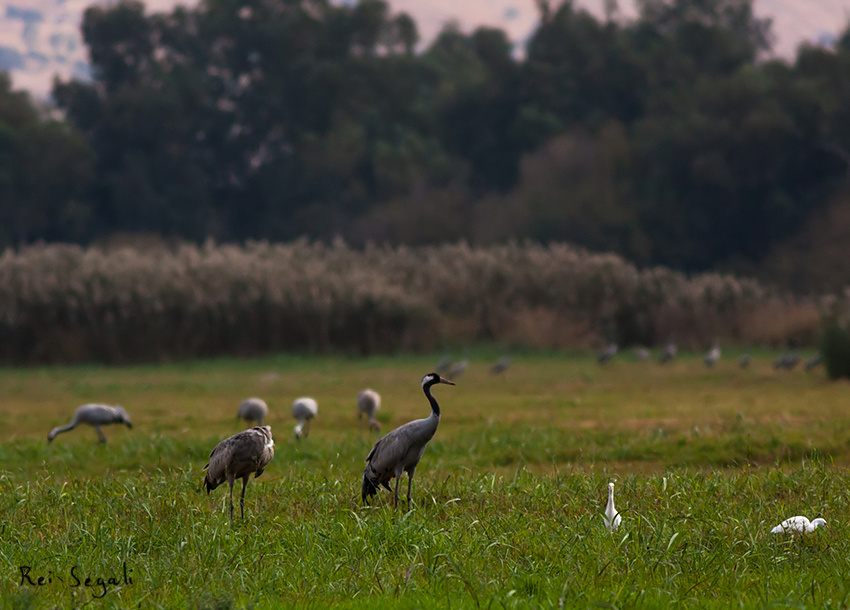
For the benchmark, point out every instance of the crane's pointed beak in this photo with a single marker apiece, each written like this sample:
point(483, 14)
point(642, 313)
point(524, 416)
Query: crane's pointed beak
point(446, 381)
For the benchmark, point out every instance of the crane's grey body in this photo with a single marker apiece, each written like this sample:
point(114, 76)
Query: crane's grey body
point(458, 368)
point(95, 415)
point(501, 365)
point(368, 403)
point(253, 409)
point(400, 450)
point(608, 353)
point(304, 409)
point(814, 362)
point(668, 353)
point(641, 354)
point(236, 457)
point(712, 356)
point(744, 361)
point(788, 360)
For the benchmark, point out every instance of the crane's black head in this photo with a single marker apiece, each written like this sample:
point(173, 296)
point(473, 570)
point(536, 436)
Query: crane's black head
point(433, 378)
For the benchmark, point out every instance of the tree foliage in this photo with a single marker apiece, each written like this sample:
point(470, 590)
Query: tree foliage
point(669, 138)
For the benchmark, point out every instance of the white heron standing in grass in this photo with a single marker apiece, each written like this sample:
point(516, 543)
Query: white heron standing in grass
point(253, 409)
point(798, 525)
point(94, 415)
point(368, 403)
point(304, 409)
point(612, 517)
point(400, 450)
point(236, 457)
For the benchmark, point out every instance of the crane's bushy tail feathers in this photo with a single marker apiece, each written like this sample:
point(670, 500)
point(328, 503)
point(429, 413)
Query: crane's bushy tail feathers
point(370, 487)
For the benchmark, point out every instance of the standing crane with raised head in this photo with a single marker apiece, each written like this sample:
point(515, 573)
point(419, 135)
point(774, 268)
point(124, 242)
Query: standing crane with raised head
point(94, 415)
point(368, 403)
point(400, 450)
point(303, 410)
point(253, 409)
point(236, 457)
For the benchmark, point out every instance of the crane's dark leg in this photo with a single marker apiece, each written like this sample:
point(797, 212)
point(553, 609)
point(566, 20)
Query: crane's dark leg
point(100, 434)
point(231, 481)
point(397, 481)
point(242, 500)
point(409, 487)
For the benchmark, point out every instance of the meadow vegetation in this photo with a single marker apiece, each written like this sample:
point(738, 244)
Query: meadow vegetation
point(155, 302)
point(507, 499)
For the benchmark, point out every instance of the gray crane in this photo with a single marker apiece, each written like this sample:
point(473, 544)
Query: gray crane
point(668, 353)
point(443, 364)
point(501, 365)
point(304, 409)
point(368, 402)
point(641, 354)
point(94, 415)
point(744, 361)
point(814, 362)
point(712, 356)
point(458, 368)
point(400, 450)
point(788, 360)
point(608, 353)
point(237, 457)
point(253, 409)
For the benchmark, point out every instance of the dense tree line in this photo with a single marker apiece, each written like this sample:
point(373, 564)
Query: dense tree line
point(668, 138)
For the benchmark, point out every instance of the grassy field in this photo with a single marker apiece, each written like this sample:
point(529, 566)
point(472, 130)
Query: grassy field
point(507, 499)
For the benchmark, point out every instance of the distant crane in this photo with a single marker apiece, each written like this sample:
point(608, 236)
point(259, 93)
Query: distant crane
point(443, 364)
point(788, 360)
point(641, 353)
point(712, 356)
point(744, 361)
point(304, 409)
point(368, 402)
point(607, 354)
point(237, 457)
point(814, 362)
point(400, 450)
point(253, 409)
point(458, 368)
point(94, 415)
point(501, 365)
point(668, 353)
point(612, 517)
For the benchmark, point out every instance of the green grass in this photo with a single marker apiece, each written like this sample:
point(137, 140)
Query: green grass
point(507, 499)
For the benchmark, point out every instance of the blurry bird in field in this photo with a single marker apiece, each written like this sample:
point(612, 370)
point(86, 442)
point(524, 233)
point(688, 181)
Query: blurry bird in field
point(94, 415)
point(798, 525)
point(501, 365)
point(668, 353)
point(612, 517)
point(400, 450)
point(253, 409)
point(607, 354)
point(744, 361)
point(458, 368)
point(304, 409)
point(236, 457)
point(641, 354)
point(712, 356)
point(368, 403)
point(788, 360)
point(814, 362)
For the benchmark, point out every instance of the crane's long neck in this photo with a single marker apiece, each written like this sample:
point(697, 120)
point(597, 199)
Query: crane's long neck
point(435, 407)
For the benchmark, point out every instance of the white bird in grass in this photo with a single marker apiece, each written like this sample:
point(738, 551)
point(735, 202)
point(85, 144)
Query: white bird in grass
point(612, 517)
point(94, 415)
point(368, 402)
point(253, 409)
point(237, 457)
point(304, 409)
point(798, 525)
point(400, 450)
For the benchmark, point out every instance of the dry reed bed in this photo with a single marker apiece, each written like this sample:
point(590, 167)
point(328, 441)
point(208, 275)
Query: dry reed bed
point(66, 303)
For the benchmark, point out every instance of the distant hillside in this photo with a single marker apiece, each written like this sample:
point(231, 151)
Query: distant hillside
point(40, 38)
